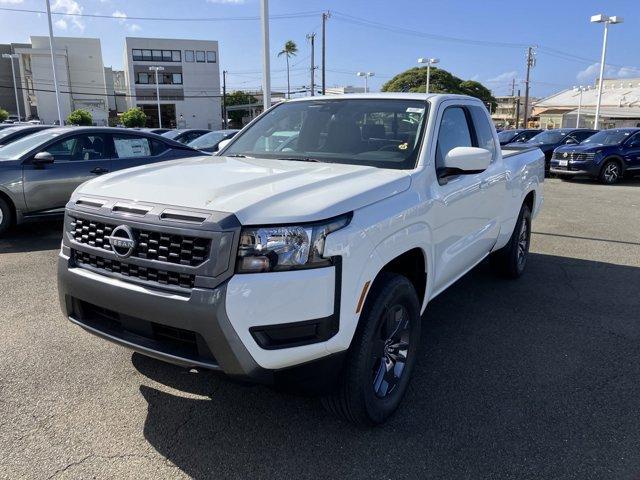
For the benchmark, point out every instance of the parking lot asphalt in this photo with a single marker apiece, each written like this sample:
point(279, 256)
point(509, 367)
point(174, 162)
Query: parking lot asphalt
point(534, 378)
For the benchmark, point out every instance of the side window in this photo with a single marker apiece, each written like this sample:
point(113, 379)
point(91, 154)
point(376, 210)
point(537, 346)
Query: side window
point(80, 147)
point(454, 132)
point(158, 147)
point(580, 136)
point(634, 141)
point(484, 130)
point(130, 146)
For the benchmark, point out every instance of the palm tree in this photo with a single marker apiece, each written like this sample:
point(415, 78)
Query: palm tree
point(290, 49)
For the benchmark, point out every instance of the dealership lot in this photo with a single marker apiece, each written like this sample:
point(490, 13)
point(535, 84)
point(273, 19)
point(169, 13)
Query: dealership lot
point(537, 378)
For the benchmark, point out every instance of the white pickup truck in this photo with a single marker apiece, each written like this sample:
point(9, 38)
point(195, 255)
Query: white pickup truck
point(309, 249)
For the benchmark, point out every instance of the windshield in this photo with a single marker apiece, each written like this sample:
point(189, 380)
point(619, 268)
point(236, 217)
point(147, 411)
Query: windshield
point(208, 140)
point(549, 136)
point(608, 137)
point(5, 132)
point(507, 135)
point(384, 133)
point(17, 149)
point(172, 134)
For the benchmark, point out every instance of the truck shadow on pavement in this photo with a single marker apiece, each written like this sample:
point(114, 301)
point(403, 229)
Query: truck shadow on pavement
point(536, 378)
point(32, 237)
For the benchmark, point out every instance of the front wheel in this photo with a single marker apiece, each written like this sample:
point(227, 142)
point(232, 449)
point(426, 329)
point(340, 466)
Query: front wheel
point(511, 260)
point(611, 172)
point(6, 216)
point(382, 354)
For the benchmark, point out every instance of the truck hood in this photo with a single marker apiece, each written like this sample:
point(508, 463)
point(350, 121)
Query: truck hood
point(255, 190)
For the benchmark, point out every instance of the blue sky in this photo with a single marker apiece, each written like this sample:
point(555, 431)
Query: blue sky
point(481, 40)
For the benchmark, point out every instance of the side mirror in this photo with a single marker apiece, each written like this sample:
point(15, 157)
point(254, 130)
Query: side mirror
point(42, 158)
point(466, 160)
point(223, 143)
point(570, 141)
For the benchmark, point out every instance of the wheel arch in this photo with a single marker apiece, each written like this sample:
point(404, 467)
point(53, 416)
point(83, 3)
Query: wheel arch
point(7, 198)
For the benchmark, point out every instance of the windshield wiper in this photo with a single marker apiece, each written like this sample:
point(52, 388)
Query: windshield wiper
point(299, 159)
point(236, 155)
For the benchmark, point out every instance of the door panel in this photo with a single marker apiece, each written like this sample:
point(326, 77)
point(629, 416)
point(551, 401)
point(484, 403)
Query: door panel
point(76, 159)
point(465, 211)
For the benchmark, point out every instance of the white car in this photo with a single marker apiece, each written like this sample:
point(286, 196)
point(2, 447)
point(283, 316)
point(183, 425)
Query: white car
point(309, 261)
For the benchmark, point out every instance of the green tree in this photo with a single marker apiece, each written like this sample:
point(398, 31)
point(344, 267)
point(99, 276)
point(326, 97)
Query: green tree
point(290, 50)
point(3, 114)
point(239, 98)
point(134, 117)
point(441, 81)
point(80, 117)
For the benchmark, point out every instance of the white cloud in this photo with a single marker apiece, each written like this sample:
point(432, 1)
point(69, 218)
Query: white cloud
point(503, 77)
point(72, 8)
point(121, 15)
point(10, 2)
point(589, 74)
point(233, 2)
point(122, 20)
point(61, 24)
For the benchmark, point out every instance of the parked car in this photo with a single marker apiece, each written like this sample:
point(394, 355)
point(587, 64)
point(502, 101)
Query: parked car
point(209, 141)
point(185, 135)
point(157, 131)
point(517, 135)
point(9, 135)
point(310, 266)
point(39, 172)
point(549, 140)
point(607, 156)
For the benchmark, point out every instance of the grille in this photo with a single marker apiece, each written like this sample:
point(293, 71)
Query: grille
point(162, 277)
point(163, 247)
point(573, 156)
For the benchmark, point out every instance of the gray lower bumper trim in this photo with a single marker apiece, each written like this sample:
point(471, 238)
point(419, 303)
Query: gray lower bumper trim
point(569, 172)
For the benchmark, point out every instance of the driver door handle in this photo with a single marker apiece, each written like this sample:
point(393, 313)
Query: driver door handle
point(100, 170)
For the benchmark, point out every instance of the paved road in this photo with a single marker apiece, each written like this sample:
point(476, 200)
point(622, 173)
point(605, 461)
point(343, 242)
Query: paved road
point(538, 378)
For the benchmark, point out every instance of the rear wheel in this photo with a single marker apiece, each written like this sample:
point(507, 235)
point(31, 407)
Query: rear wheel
point(382, 354)
point(6, 216)
point(611, 172)
point(511, 260)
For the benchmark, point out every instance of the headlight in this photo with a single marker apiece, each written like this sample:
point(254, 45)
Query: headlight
point(287, 247)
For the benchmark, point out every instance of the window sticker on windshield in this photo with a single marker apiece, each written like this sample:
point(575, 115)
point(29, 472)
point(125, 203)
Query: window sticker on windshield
point(415, 110)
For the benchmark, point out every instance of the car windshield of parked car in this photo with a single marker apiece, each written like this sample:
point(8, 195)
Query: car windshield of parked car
point(608, 137)
point(5, 132)
point(208, 140)
point(383, 133)
point(549, 136)
point(507, 135)
point(172, 134)
point(17, 149)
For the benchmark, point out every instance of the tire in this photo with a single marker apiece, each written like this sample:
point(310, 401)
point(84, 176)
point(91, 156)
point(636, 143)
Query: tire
point(511, 260)
point(6, 216)
point(611, 172)
point(388, 334)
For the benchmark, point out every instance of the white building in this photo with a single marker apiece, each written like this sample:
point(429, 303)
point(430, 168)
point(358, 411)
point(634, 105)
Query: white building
point(619, 107)
point(343, 90)
point(189, 83)
point(80, 75)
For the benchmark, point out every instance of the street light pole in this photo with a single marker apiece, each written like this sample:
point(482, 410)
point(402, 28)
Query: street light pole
point(12, 56)
point(579, 89)
point(366, 76)
point(53, 62)
point(156, 70)
point(429, 62)
point(601, 18)
point(266, 68)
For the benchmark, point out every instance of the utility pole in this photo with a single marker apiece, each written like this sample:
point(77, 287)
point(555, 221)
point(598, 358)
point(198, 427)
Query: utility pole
point(53, 63)
point(325, 16)
point(312, 37)
point(156, 70)
point(518, 110)
point(224, 99)
point(12, 57)
point(513, 86)
point(531, 62)
point(266, 68)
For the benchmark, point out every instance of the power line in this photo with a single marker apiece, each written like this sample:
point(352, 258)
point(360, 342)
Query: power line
point(168, 19)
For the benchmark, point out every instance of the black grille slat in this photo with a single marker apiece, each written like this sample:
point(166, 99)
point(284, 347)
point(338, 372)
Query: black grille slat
point(163, 277)
point(163, 247)
point(573, 156)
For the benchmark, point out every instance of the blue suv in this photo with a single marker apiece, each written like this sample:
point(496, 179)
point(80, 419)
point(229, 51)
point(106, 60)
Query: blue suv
point(607, 156)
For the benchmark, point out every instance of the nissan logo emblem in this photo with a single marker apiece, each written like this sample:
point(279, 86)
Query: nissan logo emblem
point(122, 241)
point(565, 154)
